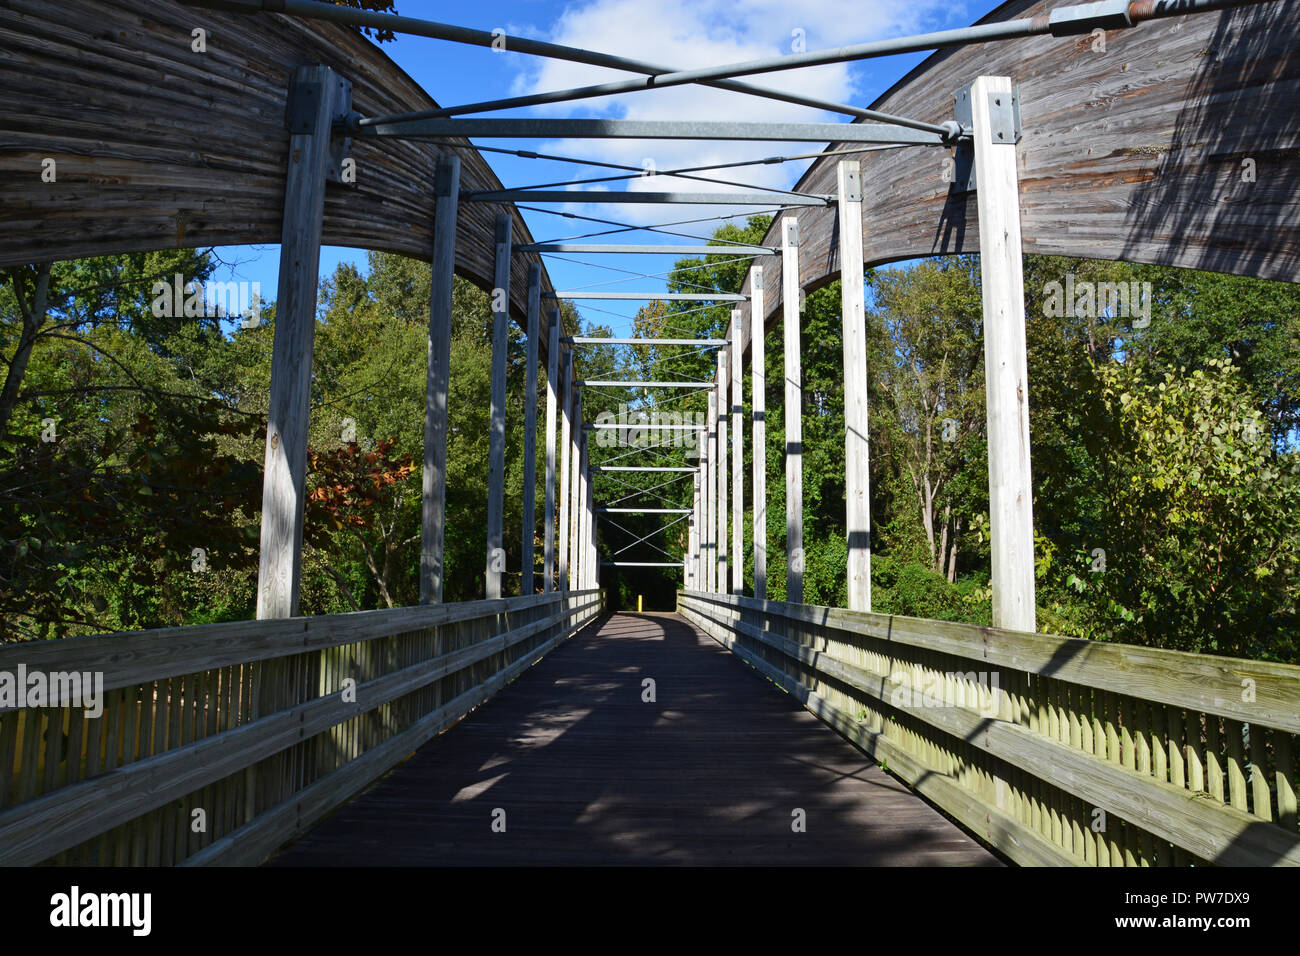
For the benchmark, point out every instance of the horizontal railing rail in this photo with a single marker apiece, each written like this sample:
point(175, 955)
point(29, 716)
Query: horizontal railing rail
point(216, 744)
point(1053, 750)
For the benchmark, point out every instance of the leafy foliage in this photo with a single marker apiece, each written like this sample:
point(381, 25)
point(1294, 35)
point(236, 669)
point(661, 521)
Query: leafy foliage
point(1202, 515)
point(381, 34)
point(1166, 471)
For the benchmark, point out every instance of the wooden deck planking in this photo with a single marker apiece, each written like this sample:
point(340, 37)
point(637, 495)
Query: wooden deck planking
point(588, 773)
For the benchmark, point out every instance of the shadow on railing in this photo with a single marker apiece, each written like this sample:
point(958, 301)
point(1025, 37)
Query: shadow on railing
point(1054, 750)
point(215, 744)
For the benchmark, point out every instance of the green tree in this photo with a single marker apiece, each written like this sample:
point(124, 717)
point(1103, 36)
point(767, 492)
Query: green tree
point(929, 414)
point(116, 477)
point(1203, 517)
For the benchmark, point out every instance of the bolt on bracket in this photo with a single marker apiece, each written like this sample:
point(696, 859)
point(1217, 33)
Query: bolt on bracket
point(1004, 127)
point(299, 117)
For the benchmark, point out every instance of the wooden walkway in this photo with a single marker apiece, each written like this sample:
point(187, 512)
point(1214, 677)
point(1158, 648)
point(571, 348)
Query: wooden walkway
point(711, 773)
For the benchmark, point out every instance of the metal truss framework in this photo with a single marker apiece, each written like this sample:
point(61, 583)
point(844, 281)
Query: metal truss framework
point(983, 132)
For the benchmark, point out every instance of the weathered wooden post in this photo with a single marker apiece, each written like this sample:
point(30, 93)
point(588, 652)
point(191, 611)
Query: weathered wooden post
point(790, 296)
point(566, 453)
point(724, 543)
point(758, 389)
point(593, 564)
point(446, 189)
point(575, 489)
point(496, 552)
point(552, 407)
point(319, 98)
point(693, 536)
point(711, 495)
point(1011, 516)
point(857, 495)
point(581, 554)
point(702, 497)
point(737, 456)
point(530, 428)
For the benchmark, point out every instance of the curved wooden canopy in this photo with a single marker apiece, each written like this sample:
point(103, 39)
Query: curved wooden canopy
point(158, 146)
point(1135, 153)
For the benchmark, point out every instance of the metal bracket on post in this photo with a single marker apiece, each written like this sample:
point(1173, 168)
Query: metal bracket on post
point(298, 112)
point(1004, 118)
point(1004, 114)
point(963, 168)
point(853, 186)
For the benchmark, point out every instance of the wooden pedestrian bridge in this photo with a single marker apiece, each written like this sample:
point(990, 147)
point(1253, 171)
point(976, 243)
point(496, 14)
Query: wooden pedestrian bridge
point(523, 730)
point(550, 727)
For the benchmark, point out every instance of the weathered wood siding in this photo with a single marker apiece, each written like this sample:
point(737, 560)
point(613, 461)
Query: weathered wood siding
point(158, 146)
point(1132, 154)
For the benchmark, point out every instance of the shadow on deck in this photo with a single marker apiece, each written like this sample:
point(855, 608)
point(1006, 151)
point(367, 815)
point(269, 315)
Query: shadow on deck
point(711, 773)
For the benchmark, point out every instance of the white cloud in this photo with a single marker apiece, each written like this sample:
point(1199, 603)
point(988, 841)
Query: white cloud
point(696, 33)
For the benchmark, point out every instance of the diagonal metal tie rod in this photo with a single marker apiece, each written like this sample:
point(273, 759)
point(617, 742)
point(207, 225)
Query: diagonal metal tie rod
point(1073, 20)
point(644, 197)
point(657, 228)
point(654, 296)
point(639, 172)
point(498, 40)
point(685, 469)
point(643, 173)
point(614, 383)
point(624, 250)
point(532, 128)
point(647, 427)
point(590, 340)
point(646, 537)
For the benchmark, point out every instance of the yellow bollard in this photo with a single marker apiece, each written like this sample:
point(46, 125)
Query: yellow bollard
point(638, 604)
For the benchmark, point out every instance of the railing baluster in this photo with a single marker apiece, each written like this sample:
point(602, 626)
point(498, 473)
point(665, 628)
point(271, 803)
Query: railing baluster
point(1214, 774)
point(1022, 763)
point(1236, 774)
point(1285, 777)
point(1261, 798)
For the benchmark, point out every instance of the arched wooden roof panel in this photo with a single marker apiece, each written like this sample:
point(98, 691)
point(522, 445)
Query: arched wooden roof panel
point(159, 146)
point(1134, 154)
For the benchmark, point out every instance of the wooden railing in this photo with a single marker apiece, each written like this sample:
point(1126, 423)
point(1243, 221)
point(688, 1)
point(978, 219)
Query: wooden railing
point(1054, 751)
point(218, 743)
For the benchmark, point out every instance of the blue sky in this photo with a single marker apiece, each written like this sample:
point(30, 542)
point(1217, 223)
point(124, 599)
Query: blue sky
point(685, 33)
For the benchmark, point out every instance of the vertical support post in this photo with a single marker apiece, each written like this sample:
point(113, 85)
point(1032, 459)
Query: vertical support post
point(530, 428)
point(693, 536)
point(857, 494)
point(566, 468)
point(589, 511)
point(737, 455)
point(496, 552)
point(552, 405)
point(701, 490)
point(279, 575)
point(724, 543)
point(446, 189)
point(790, 296)
point(575, 489)
point(711, 496)
point(593, 567)
point(703, 535)
point(1006, 369)
point(758, 392)
point(581, 552)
